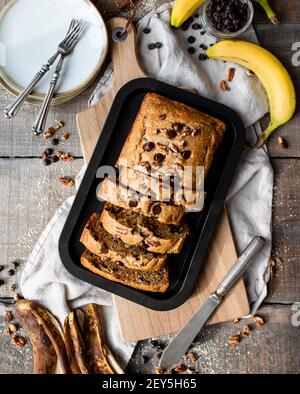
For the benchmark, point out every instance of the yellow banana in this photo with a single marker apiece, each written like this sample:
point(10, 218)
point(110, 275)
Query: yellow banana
point(183, 9)
point(271, 72)
point(268, 10)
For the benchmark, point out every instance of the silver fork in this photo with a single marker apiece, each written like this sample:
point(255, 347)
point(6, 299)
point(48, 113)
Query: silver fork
point(13, 108)
point(65, 50)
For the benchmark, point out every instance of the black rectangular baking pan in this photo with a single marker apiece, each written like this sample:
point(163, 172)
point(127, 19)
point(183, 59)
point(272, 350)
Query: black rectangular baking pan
point(184, 267)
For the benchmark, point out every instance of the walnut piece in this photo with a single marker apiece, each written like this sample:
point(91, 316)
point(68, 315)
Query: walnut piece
point(234, 340)
point(66, 181)
point(246, 330)
point(259, 321)
point(224, 86)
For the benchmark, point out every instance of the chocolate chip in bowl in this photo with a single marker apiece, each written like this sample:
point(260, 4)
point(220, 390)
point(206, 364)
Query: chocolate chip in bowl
point(227, 18)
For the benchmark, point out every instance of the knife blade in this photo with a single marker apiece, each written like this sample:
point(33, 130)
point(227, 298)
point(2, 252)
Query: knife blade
point(181, 342)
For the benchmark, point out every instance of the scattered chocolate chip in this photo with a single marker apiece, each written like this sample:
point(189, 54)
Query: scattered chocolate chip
point(1, 268)
point(191, 50)
point(171, 134)
point(149, 146)
point(49, 152)
point(47, 162)
point(151, 46)
point(55, 141)
point(202, 32)
point(104, 249)
point(202, 56)
point(159, 157)
point(282, 143)
point(177, 126)
point(53, 159)
point(1, 282)
point(196, 15)
point(16, 264)
point(156, 210)
point(157, 131)
point(11, 272)
point(159, 355)
point(133, 204)
point(158, 45)
point(186, 154)
point(196, 26)
point(202, 46)
point(191, 39)
point(146, 30)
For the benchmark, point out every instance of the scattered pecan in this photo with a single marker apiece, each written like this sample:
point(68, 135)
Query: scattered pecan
point(13, 287)
point(282, 143)
point(180, 368)
point(234, 340)
point(48, 133)
point(12, 328)
point(66, 157)
point(230, 74)
point(66, 181)
point(224, 86)
point(235, 321)
point(8, 316)
point(159, 371)
point(18, 341)
point(65, 137)
point(191, 356)
point(259, 321)
point(7, 332)
point(246, 330)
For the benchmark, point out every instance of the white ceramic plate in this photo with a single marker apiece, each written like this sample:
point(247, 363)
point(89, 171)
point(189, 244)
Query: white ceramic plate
point(30, 31)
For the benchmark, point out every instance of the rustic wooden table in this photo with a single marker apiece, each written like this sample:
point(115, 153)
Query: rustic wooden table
point(30, 194)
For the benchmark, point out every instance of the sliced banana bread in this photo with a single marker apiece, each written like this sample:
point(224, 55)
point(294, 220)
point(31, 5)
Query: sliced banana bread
point(124, 198)
point(157, 281)
point(147, 232)
point(98, 241)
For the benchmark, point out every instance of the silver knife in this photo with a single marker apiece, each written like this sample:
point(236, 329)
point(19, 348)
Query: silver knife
point(182, 341)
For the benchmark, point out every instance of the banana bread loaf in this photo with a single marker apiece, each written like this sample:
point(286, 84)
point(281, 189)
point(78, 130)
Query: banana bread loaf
point(167, 134)
point(98, 241)
point(157, 281)
point(124, 198)
point(147, 232)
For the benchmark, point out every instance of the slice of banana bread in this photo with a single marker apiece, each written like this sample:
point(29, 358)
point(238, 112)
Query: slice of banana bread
point(98, 241)
point(124, 198)
point(157, 281)
point(147, 232)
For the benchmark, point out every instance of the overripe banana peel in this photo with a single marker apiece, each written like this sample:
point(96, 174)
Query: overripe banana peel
point(271, 72)
point(45, 336)
point(44, 355)
point(183, 9)
point(268, 10)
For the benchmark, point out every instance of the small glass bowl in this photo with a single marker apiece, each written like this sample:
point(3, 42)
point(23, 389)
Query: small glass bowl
point(220, 34)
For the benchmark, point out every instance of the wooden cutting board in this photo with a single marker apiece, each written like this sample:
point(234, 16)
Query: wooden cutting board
point(138, 322)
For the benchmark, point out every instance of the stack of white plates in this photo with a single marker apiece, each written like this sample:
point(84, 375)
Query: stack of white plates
point(30, 31)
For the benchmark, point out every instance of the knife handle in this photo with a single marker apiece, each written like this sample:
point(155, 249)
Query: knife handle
point(241, 266)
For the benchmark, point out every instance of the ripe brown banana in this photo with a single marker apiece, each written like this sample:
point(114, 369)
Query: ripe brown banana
point(51, 328)
point(75, 344)
point(44, 355)
point(100, 357)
